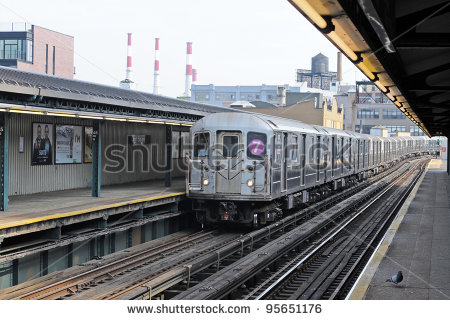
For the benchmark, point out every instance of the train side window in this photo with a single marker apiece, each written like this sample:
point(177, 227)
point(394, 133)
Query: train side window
point(256, 145)
point(294, 149)
point(201, 144)
point(277, 149)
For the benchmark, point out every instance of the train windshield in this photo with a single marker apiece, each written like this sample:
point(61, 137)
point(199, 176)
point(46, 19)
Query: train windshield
point(230, 146)
point(201, 144)
point(256, 145)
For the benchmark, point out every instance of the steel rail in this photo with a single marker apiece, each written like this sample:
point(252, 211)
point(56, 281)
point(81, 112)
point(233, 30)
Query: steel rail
point(326, 241)
point(74, 283)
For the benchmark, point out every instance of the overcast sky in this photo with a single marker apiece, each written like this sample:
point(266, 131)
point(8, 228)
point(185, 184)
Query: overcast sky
point(235, 42)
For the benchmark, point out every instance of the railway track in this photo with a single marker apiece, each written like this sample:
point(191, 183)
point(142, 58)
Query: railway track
point(178, 266)
point(172, 282)
point(269, 272)
point(73, 284)
point(332, 267)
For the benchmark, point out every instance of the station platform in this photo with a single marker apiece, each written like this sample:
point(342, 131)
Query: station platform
point(417, 243)
point(37, 212)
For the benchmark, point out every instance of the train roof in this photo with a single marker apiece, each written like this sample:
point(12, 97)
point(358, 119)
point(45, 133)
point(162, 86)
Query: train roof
point(237, 120)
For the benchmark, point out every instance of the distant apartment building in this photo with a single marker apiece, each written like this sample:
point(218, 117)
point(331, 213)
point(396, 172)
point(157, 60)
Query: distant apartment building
point(32, 48)
point(312, 108)
point(224, 96)
point(372, 108)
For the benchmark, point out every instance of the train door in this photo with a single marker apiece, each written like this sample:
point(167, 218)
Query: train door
point(318, 157)
point(333, 155)
point(284, 161)
point(276, 164)
point(303, 157)
point(229, 162)
point(326, 156)
point(201, 142)
point(341, 155)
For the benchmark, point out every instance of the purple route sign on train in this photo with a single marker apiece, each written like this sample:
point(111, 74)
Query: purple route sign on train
point(256, 147)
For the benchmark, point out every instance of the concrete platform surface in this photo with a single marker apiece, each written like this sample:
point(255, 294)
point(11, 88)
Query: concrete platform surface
point(417, 243)
point(44, 206)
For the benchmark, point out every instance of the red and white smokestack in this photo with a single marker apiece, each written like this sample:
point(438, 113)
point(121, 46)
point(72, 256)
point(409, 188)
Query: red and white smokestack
point(194, 75)
point(156, 74)
point(187, 88)
point(129, 63)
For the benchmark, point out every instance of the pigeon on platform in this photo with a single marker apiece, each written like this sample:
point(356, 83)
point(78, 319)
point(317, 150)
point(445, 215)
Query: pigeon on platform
point(396, 278)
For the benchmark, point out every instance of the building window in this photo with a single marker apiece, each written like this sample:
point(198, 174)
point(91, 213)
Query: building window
point(46, 58)
point(201, 96)
point(368, 114)
point(393, 114)
point(29, 53)
point(416, 131)
point(393, 129)
point(365, 128)
point(54, 59)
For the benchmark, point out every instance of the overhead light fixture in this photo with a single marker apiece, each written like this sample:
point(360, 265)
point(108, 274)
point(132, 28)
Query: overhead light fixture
point(380, 86)
point(137, 120)
point(173, 123)
point(390, 96)
point(86, 116)
point(344, 47)
point(156, 121)
point(312, 14)
point(26, 111)
point(187, 124)
point(369, 74)
point(115, 119)
point(398, 103)
point(60, 114)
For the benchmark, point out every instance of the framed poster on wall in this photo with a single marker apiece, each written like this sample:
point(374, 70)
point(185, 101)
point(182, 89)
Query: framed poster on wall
point(68, 144)
point(88, 144)
point(42, 144)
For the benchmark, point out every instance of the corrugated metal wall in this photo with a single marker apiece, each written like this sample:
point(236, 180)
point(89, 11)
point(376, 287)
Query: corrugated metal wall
point(27, 179)
point(23, 177)
point(116, 134)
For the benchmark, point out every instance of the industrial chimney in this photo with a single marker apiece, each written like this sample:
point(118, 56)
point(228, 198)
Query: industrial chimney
point(339, 66)
point(156, 74)
point(194, 76)
point(187, 87)
point(128, 82)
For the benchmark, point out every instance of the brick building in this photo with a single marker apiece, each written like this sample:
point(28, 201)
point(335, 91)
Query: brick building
point(32, 48)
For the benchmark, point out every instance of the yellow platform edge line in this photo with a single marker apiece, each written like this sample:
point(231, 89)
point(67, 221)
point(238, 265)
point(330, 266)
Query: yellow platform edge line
point(360, 288)
point(83, 211)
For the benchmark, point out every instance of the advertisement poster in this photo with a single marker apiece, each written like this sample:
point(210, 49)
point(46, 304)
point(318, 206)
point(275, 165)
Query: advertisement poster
point(68, 144)
point(88, 144)
point(42, 152)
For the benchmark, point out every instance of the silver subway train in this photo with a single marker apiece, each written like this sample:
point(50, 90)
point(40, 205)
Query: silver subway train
point(246, 168)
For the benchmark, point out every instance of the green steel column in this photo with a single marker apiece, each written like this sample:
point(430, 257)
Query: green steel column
point(168, 177)
point(96, 159)
point(4, 146)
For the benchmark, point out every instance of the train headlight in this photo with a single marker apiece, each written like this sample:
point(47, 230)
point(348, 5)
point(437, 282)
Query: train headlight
point(205, 182)
point(250, 183)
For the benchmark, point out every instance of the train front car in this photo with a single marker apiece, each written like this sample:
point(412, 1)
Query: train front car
point(229, 167)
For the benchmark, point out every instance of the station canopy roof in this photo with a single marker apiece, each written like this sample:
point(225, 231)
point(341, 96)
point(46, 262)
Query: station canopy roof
point(30, 84)
point(403, 46)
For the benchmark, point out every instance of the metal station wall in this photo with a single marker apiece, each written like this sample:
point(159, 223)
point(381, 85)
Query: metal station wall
point(25, 178)
point(142, 162)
